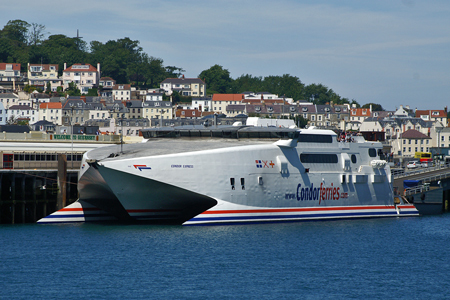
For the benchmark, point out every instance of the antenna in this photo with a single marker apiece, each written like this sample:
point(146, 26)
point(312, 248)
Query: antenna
point(78, 37)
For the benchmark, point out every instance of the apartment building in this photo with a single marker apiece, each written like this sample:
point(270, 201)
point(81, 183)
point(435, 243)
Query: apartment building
point(85, 76)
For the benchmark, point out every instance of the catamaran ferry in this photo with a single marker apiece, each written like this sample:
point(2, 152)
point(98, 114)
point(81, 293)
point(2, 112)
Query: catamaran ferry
point(234, 174)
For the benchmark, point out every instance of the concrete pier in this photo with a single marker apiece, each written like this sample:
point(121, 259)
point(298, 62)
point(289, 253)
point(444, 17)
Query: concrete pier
point(28, 195)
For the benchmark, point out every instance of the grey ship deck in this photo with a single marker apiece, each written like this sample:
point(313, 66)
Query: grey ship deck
point(168, 140)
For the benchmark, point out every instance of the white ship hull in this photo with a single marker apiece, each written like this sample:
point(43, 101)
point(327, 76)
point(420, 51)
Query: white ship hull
point(258, 182)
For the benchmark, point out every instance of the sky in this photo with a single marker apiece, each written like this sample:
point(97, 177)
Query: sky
point(388, 52)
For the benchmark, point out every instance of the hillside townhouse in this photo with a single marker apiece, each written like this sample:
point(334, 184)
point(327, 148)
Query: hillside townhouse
point(106, 85)
point(3, 115)
point(266, 96)
point(157, 110)
point(202, 103)
point(410, 142)
point(193, 87)
point(10, 72)
point(233, 110)
point(97, 111)
point(433, 115)
point(135, 109)
point(9, 99)
point(360, 114)
point(40, 75)
point(121, 92)
point(442, 135)
point(188, 113)
point(154, 96)
point(85, 76)
point(74, 112)
point(264, 110)
point(221, 101)
point(131, 127)
point(22, 112)
point(118, 110)
point(51, 111)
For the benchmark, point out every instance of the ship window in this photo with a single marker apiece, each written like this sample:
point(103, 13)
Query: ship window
point(372, 152)
point(354, 158)
point(232, 183)
point(243, 183)
point(318, 158)
point(315, 138)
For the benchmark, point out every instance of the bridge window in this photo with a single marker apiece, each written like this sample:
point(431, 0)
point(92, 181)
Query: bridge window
point(315, 138)
point(372, 152)
point(318, 158)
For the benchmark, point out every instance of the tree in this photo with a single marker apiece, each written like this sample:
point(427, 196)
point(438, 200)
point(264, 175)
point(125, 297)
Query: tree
point(174, 72)
point(375, 107)
point(92, 92)
point(16, 30)
point(217, 80)
point(36, 34)
point(73, 90)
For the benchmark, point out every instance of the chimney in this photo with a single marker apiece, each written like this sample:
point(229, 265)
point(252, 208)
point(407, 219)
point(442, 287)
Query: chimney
point(65, 66)
point(98, 70)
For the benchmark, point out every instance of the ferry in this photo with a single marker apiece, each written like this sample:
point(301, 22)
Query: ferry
point(234, 175)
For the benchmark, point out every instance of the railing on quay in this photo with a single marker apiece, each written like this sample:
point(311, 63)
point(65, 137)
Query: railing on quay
point(37, 136)
point(399, 173)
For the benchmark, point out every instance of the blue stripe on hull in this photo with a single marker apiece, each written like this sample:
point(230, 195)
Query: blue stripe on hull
point(287, 218)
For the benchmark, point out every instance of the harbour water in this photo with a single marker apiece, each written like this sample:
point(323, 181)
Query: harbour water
point(404, 258)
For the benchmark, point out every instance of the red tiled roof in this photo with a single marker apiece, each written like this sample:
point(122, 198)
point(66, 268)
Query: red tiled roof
point(15, 67)
point(50, 105)
point(360, 112)
point(436, 113)
point(227, 97)
point(81, 68)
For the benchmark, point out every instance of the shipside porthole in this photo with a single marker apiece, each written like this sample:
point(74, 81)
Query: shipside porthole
point(260, 180)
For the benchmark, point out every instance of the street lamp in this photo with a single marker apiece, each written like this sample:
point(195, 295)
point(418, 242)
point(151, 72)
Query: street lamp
point(121, 135)
point(71, 132)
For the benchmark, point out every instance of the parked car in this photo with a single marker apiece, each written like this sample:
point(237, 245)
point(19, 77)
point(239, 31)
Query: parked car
point(425, 164)
point(413, 164)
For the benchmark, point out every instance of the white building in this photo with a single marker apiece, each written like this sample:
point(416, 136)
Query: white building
point(23, 112)
point(85, 76)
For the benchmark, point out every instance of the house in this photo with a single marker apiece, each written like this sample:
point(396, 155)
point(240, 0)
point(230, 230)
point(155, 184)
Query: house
point(221, 101)
point(85, 76)
point(360, 114)
point(135, 109)
point(266, 96)
point(51, 111)
point(74, 111)
point(193, 87)
point(433, 115)
point(9, 99)
point(43, 125)
point(121, 92)
point(188, 114)
point(233, 110)
point(97, 111)
point(410, 142)
point(154, 96)
point(202, 103)
point(10, 72)
point(40, 75)
point(106, 85)
point(157, 110)
point(23, 112)
point(3, 114)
